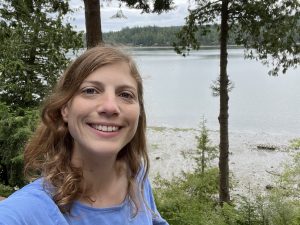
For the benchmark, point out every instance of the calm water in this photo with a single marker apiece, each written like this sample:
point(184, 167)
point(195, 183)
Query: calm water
point(178, 94)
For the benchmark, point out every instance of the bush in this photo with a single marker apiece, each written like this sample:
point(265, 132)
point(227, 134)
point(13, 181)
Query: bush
point(5, 191)
point(295, 143)
point(193, 200)
point(16, 126)
point(190, 200)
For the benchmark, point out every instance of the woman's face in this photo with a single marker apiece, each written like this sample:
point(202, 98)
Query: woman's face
point(103, 115)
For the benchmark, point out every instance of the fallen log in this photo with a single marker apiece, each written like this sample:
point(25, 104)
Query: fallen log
point(266, 147)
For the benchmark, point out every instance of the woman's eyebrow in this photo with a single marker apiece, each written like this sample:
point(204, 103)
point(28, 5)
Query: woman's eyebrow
point(120, 86)
point(126, 86)
point(93, 82)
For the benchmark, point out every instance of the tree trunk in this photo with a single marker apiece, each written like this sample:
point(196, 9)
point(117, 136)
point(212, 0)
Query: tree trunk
point(92, 23)
point(223, 116)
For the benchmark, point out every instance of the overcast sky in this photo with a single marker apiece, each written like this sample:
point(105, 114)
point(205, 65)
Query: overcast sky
point(134, 16)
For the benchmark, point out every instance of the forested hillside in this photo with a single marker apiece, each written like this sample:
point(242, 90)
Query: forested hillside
point(156, 36)
point(161, 36)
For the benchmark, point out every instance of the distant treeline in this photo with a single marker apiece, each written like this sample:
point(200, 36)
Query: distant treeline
point(158, 36)
point(163, 36)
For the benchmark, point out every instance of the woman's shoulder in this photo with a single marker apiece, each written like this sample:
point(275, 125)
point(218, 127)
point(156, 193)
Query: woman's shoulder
point(29, 205)
point(33, 192)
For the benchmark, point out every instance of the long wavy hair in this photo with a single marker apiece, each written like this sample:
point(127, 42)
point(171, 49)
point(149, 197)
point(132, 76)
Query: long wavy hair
point(48, 153)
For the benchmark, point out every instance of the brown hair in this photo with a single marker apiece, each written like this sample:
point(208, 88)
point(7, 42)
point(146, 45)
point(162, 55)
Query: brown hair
point(48, 153)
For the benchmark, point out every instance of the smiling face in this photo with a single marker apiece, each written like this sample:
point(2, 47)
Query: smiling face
point(103, 115)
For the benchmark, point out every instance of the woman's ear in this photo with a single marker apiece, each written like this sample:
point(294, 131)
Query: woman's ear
point(65, 112)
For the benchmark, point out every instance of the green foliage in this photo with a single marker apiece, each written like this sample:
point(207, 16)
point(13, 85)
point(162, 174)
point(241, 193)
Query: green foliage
point(282, 211)
point(190, 200)
point(249, 211)
point(279, 206)
point(165, 36)
point(215, 87)
point(290, 178)
point(272, 28)
point(295, 143)
point(15, 129)
point(158, 36)
point(205, 152)
point(35, 39)
point(283, 201)
point(159, 6)
point(269, 29)
point(5, 191)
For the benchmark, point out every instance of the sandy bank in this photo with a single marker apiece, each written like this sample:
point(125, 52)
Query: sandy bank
point(249, 165)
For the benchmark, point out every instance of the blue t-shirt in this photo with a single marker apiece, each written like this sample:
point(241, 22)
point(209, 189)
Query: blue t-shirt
point(32, 205)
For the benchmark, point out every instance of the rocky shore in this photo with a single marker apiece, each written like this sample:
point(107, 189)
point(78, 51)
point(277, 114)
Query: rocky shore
point(255, 158)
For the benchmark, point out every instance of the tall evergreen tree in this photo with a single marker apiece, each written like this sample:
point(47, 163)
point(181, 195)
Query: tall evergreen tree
point(35, 39)
point(268, 29)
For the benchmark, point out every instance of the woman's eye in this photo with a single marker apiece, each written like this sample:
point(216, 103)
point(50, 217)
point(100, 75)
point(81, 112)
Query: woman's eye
point(89, 91)
point(127, 95)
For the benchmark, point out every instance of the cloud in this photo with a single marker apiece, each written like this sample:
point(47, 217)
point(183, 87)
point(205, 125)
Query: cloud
point(134, 17)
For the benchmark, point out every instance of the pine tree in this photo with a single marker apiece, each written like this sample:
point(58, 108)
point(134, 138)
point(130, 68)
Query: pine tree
point(35, 40)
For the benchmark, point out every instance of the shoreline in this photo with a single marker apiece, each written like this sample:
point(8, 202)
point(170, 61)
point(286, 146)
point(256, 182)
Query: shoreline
point(249, 166)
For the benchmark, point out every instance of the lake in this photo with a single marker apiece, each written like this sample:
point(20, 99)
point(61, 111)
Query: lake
point(178, 93)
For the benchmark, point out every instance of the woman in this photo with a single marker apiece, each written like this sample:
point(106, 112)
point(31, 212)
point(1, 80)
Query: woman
point(89, 150)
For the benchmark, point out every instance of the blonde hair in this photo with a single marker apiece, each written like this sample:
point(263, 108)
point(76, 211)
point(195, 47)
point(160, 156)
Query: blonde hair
point(48, 152)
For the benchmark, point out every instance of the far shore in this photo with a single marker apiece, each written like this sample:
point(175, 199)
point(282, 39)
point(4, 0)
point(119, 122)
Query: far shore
point(249, 165)
point(171, 47)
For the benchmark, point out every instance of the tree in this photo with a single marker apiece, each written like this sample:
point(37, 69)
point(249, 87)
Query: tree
point(15, 129)
point(268, 30)
point(35, 40)
point(93, 15)
point(205, 152)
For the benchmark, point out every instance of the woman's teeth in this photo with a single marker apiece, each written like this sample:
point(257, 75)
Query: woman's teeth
point(105, 128)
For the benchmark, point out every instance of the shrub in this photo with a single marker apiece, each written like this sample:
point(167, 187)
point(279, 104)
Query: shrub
point(16, 126)
point(5, 191)
point(295, 143)
point(189, 200)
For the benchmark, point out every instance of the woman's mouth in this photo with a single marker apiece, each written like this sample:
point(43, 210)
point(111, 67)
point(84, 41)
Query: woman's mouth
point(105, 128)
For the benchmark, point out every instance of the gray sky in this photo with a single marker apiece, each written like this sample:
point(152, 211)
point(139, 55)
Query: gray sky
point(134, 16)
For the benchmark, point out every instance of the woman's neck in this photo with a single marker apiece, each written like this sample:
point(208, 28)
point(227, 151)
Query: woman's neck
point(105, 184)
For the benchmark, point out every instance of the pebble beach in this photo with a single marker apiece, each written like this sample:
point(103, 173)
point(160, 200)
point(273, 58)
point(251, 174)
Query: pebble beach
point(249, 166)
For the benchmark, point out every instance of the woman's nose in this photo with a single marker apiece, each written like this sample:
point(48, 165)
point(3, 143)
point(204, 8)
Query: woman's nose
point(108, 105)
